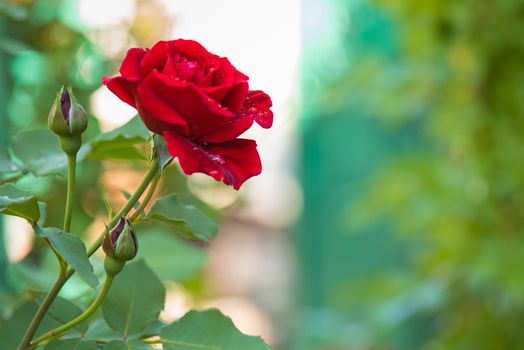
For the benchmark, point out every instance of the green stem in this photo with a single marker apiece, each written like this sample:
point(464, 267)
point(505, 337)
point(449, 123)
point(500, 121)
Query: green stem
point(51, 295)
point(62, 278)
point(150, 175)
point(71, 183)
point(88, 312)
point(147, 198)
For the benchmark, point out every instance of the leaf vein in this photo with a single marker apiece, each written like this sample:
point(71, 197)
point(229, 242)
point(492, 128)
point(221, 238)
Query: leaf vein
point(130, 310)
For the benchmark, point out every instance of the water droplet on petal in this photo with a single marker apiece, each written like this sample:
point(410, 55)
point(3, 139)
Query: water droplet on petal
point(217, 158)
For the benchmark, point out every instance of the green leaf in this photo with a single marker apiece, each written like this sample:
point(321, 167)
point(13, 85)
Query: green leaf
point(17, 202)
point(15, 12)
point(42, 208)
point(188, 220)
point(130, 345)
point(6, 165)
point(99, 330)
point(13, 329)
point(120, 143)
point(207, 330)
point(164, 158)
point(40, 151)
point(134, 300)
point(116, 345)
point(63, 311)
point(9, 170)
point(39, 276)
point(71, 344)
point(72, 249)
point(153, 328)
point(171, 258)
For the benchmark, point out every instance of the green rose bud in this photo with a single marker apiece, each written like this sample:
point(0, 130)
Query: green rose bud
point(120, 245)
point(68, 120)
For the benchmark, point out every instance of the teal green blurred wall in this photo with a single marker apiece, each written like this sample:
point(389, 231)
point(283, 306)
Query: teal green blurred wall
point(3, 142)
point(343, 148)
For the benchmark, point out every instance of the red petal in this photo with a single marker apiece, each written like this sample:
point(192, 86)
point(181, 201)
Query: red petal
point(122, 88)
point(202, 114)
point(257, 106)
point(240, 76)
point(155, 58)
point(187, 70)
point(233, 129)
point(191, 50)
point(157, 114)
point(230, 96)
point(217, 93)
point(225, 73)
point(236, 96)
point(229, 87)
point(130, 67)
point(232, 162)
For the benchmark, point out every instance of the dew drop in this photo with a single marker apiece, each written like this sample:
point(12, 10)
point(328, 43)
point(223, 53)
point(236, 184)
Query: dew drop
point(217, 159)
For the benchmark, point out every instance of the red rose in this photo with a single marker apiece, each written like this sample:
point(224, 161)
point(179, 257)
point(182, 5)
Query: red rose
point(200, 103)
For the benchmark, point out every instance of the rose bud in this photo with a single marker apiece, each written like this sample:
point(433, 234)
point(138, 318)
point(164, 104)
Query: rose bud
point(68, 120)
point(120, 245)
point(120, 242)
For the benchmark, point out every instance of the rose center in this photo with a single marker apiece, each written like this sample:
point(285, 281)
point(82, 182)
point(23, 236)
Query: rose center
point(186, 70)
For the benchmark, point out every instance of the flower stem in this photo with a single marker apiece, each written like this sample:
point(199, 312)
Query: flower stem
point(150, 175)
point(51, 295)
point(62, 278)
point(88, 312)
point(71, 183)
point(147, 198)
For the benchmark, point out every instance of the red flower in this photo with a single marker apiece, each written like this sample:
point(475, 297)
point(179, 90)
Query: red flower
point(200, 103)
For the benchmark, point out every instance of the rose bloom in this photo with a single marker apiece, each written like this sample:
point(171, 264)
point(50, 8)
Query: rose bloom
point(200, 103)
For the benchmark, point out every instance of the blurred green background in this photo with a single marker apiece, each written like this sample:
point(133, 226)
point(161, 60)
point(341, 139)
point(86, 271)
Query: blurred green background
point(410, 162)
point(412, 168)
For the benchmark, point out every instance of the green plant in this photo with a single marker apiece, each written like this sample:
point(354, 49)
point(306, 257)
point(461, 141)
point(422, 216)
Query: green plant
point(131, 296)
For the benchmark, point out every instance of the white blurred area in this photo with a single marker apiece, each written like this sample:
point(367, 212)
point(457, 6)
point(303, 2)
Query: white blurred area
point(250, 267)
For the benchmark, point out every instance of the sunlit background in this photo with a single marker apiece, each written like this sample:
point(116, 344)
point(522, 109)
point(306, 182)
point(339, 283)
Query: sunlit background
point(389, 211)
